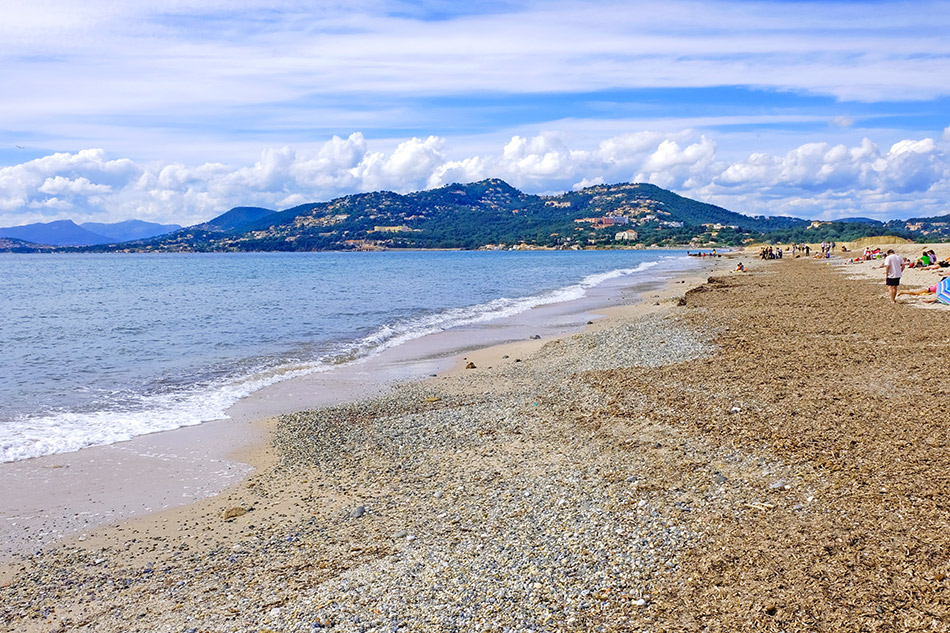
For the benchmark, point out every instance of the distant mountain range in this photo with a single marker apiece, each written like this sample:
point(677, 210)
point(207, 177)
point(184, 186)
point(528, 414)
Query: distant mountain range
point(68, 233)
point(485, 214)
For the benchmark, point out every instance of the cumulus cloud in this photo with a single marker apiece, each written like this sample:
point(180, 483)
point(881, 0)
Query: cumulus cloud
point(538, 159)
point(815, 179)
point(410, 165)
point(908, 166)
point(672, 165)
point(81, 186)
point(60, 182)
point(588, 182)
point(821, 180)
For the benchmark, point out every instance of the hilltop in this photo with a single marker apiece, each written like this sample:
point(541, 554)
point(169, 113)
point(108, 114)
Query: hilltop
point(68, 233)
point(491, 214)
point(486, 214)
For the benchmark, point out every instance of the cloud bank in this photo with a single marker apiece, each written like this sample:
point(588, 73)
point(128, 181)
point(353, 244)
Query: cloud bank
point(815, 109)
point(815, 180)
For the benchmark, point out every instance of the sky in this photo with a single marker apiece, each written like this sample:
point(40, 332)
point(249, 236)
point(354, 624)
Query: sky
point(174, 111)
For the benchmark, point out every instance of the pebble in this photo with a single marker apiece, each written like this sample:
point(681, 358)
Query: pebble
point(544, 530)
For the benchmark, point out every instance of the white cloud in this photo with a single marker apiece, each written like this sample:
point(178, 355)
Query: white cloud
point(76, 186)
point(460, 171)
point(909, 166)
point(537, 159)
point(626, 148)
point(408, 167)
point(180, 68)
point(588, 182)
point(817, 179)
point(674, 166)
point(912, 166)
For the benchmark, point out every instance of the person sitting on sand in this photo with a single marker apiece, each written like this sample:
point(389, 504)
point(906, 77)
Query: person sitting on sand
point(740, 268)
point(937, 265)
point(923, 262)
point(932, 290)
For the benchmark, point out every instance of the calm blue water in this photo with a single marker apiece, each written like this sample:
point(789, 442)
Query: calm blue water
point(96, 349)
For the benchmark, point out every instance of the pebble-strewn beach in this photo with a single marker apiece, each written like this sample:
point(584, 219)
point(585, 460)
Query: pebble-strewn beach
point(766, 451)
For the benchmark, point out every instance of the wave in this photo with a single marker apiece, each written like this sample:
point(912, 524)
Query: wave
point(138, 414)
point(394, 334)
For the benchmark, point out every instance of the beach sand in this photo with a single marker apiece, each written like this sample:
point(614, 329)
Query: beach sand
point(763, 452)
point(912, 279)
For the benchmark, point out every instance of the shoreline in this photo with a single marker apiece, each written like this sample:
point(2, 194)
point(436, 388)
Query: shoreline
point(742, 459)
point(74, 494)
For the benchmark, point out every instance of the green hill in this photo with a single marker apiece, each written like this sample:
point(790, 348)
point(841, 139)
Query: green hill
point(491, 214)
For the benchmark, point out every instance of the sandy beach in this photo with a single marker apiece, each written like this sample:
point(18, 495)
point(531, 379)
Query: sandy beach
point(758, 451)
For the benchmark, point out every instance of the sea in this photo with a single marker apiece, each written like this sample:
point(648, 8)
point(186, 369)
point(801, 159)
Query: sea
point(98, 349)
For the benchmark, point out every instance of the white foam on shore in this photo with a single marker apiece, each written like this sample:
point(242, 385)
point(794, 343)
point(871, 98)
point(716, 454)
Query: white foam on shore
point(67, 431)
point(398, 333)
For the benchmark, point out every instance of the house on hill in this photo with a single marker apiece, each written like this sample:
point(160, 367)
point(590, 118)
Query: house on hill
point(626, 236)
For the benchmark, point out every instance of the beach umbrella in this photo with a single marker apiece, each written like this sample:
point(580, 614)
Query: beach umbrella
point(943, 291)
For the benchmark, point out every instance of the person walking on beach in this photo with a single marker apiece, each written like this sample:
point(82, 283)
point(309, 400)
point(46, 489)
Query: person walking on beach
point(894, 268)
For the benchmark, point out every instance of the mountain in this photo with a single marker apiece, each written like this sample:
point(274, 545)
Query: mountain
point(58, 233)
point(129, 230)
point(236, 218)
point(12, 245)
point(859, 221)
point(68, 233)
point(474, 215)
point(493, 214)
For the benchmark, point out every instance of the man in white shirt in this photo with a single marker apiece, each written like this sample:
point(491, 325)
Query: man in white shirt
point(894, 268)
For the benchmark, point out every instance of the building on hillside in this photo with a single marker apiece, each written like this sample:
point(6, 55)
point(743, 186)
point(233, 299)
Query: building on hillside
point(364, 245)
point(391, 229)
point(626, 236)
point(610, 220)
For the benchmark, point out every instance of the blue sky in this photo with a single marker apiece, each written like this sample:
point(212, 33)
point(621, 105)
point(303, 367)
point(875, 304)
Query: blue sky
point(177, 110)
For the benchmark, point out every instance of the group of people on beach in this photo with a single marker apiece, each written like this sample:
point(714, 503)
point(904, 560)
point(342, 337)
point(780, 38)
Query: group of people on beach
point(895, 264)
point(929, 261)
point(768, 252)
point(870, 254)
point(713, 253)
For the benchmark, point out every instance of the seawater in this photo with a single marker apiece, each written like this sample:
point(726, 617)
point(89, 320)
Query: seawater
point(96, 349)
